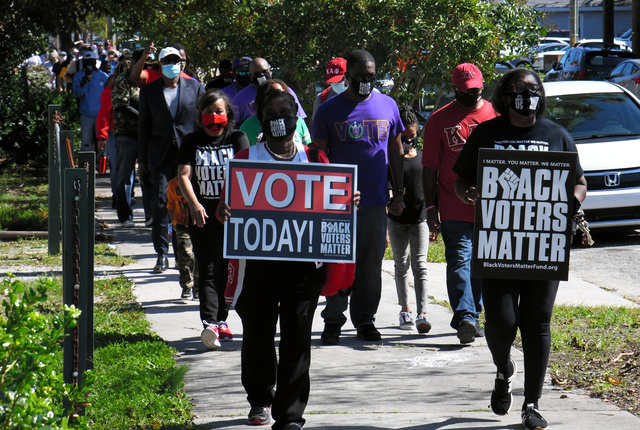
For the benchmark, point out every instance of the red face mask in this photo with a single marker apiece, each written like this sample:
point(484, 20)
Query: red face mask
point(215, 122)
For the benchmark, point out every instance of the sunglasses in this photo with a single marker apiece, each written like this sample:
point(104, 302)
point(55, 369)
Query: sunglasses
point(522, 87)
point(242, 73)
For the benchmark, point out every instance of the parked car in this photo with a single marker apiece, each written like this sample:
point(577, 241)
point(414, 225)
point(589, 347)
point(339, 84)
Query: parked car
point(599, 44)
point(545, 50)
point(564, 40)
point(604, 120)
point(625, 37)
point(627, 74)
point(582, 63)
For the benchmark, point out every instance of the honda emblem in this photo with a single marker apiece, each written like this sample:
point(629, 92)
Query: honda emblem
point(612, 179)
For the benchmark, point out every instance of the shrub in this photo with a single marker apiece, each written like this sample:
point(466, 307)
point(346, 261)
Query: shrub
point(32, 392)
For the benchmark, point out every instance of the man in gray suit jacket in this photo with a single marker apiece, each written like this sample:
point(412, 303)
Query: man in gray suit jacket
point(167, 114)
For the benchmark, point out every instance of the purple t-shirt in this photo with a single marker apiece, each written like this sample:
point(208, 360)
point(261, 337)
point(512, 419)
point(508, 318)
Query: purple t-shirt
point(358, 133)
point(230, 91)
point(243, 106)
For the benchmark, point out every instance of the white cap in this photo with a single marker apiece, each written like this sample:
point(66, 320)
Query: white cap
point(90, 54)
point(169, 51)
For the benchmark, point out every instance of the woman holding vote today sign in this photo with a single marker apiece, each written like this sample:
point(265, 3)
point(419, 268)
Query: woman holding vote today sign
point(273, 289)
point(510, 304)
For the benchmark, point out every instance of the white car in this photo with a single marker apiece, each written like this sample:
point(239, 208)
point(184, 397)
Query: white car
point(625, 38)
point(604, 120)
point(599, 44)
point(557, 50)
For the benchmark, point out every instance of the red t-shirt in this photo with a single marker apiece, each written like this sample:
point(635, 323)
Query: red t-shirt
point(446, 133)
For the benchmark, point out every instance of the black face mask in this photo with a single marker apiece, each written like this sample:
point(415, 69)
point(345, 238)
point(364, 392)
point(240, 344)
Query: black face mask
point(279, 128)
point(467, 100)
point(243, 80)
point(260, 79)
point(525, 103)
point(408, 145)
point(362, 88)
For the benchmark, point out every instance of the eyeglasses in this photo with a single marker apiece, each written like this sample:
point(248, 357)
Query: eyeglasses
point(522, 87)
point(472, 91)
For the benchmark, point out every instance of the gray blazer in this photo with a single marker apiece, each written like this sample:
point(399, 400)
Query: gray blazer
point(157, 129)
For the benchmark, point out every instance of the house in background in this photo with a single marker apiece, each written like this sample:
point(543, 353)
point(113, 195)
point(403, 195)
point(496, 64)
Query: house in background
point(590, 16)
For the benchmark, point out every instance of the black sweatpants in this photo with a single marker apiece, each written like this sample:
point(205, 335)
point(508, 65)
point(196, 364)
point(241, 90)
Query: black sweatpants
point(289, 290)
point(525, 304)
point(212, 269)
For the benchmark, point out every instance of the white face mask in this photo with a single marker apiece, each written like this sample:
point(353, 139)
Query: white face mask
point(338, 87)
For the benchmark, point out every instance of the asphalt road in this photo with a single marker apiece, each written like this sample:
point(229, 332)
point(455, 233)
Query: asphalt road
point(611, 263)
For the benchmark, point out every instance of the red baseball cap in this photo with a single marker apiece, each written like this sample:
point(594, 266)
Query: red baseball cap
point(336, 69)
point(466, 76)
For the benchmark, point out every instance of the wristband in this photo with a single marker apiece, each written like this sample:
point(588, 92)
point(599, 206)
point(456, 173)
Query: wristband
point(431, 207)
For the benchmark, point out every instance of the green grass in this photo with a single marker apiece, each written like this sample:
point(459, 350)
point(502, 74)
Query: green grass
point(137, 383)
point(23, 199)
point(598, 349)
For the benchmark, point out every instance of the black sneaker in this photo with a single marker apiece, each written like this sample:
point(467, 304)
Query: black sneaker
point(162, 264)
point(196, 293)
point(501, 397)
point(368, 332)
point(331, 334)
point(531, 418)
point(186, 293)
point(466, 331)
point(259, 416)
point(293, 426)
point(479, 330)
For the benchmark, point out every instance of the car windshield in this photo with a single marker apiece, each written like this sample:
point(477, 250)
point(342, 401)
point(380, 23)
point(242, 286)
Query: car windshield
point(588, 116)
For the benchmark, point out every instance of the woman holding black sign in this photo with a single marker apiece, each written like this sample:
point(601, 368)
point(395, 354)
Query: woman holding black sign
point(517, 303)
point(274, 288)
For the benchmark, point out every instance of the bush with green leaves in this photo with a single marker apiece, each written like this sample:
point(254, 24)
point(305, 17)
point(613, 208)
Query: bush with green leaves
point(32, 390)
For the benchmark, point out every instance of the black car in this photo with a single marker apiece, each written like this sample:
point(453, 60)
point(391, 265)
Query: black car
point(587, 64)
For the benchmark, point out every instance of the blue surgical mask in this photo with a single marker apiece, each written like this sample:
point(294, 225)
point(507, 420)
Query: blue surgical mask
point(338, 87)
point(171, 70)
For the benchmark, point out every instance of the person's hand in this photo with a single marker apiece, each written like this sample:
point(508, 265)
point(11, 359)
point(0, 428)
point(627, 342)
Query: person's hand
point(223, 211)
point(198, 214)
point(144, 175)
point(101, 144)
point(471, 196)
point(150, 49)
point(86, 79)
point(396, 205)
point(356, 197)
point(433, 221)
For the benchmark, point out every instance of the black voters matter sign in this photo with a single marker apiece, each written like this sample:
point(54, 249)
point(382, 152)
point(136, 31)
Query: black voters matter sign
point(290, 211)
point(524, 214)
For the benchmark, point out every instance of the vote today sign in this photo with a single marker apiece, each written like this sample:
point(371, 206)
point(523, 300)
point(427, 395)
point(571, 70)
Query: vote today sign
point(524, 214)
point(290, 211)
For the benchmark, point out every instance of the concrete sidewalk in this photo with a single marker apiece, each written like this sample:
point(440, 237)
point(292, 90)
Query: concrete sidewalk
point(406, 381)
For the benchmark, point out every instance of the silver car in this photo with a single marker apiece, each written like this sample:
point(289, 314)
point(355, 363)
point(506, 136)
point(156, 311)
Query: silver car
point(627, 74)
point(604, 120)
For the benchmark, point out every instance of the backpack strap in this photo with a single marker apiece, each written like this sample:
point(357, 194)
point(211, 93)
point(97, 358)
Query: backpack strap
point(313, 154)
point(324, 95)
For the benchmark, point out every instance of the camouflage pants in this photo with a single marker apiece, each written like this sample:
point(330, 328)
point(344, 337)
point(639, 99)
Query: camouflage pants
point(187, 265)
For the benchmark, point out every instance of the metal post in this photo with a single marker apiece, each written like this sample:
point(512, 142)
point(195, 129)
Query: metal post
point(607, 21)
point(87, 161)
point(54, 181)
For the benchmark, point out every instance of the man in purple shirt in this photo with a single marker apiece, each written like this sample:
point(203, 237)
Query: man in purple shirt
point(363, 127)
point(260, 72)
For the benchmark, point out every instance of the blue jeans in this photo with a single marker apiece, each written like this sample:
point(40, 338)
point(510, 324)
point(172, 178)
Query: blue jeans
point(367, 285)
point(87, 132)
point(410, 244)
point(465, 295)
point(127, 153)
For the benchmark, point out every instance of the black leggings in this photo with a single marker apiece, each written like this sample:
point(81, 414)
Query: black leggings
point(528, 305)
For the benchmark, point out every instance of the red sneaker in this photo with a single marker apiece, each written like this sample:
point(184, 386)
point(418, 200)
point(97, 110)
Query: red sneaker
point(223, 330)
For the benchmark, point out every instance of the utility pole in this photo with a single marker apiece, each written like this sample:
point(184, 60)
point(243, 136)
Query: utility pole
point(573, 21)
point(607, 21)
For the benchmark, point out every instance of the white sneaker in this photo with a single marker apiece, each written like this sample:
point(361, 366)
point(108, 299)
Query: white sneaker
point(406, 321)
point(209, 337)
point(128, 224)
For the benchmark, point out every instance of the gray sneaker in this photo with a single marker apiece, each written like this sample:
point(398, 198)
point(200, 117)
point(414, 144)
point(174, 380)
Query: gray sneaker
point(422, 324)
point(406, 321)
point(259, 416)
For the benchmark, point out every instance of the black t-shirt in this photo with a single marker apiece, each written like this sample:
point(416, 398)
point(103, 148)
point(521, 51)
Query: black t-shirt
point(499, 133)
point(207, 156)
point(414, 211)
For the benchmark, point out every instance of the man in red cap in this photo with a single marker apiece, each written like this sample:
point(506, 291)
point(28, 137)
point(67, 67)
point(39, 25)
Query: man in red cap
point(445, 135)
point(334, 76)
